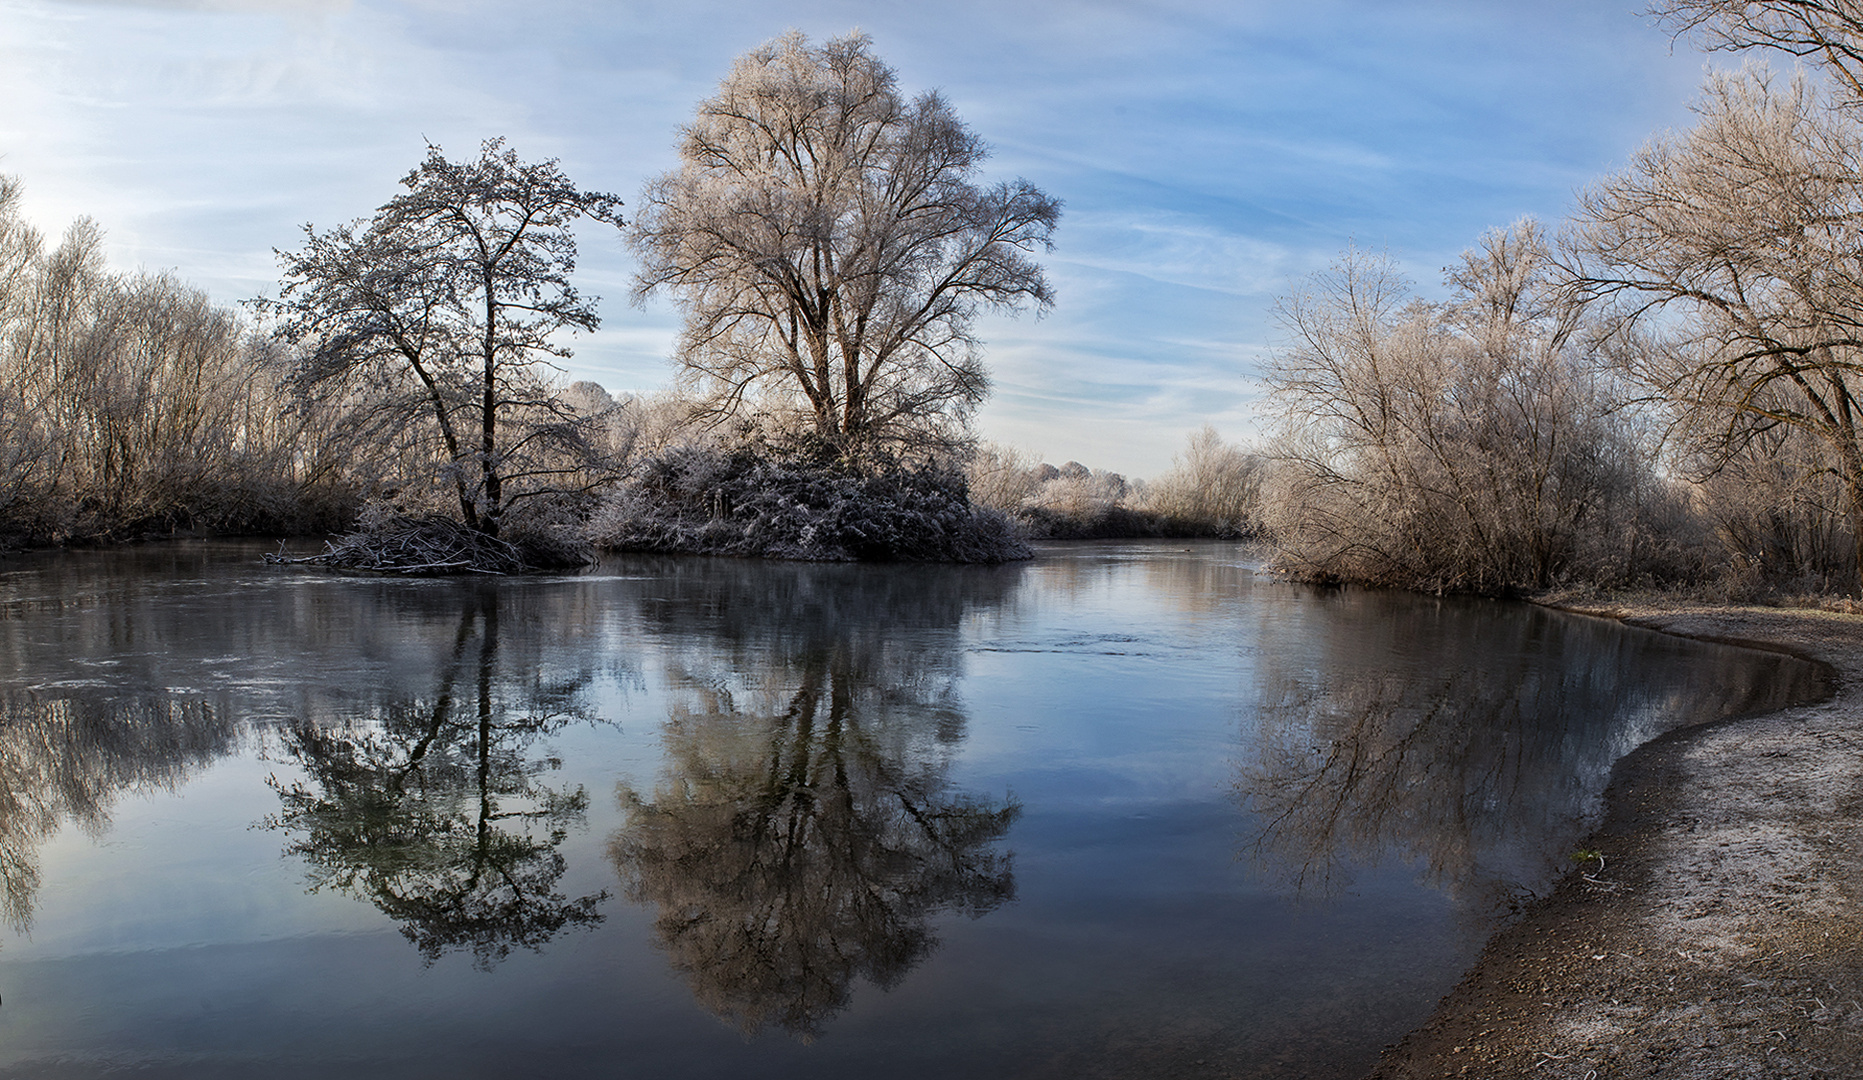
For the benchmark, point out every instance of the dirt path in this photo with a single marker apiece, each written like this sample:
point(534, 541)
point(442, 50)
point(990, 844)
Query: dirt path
point(1724, 937)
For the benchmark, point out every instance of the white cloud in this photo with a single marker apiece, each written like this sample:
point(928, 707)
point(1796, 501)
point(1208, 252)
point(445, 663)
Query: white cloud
point(1176, 249)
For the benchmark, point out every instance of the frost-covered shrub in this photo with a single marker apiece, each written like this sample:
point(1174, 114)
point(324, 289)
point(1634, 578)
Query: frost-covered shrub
point(759, 502)
point(1778, 516)
point(1001, 477)
point(1484, 445)
point(1213, 489)
point(1071, 502)
point(1085, 508)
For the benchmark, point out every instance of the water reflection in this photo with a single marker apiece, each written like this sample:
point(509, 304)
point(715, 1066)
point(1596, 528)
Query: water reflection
point(1472, 740)
point(434, 808)
point(69, 758)
point(804, 832)
point(818, 770)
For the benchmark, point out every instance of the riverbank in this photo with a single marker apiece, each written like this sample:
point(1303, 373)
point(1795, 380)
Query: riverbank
point(1724, 935)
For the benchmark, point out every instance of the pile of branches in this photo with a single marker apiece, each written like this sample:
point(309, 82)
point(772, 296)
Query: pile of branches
point(753, 501)
point(416, 545)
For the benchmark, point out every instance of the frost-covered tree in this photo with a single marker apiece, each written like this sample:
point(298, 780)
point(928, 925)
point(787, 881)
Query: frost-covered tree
point(1467, 446)
point(1828, 33)
point(444, 311)
point(1732, 261)
point(831, 248)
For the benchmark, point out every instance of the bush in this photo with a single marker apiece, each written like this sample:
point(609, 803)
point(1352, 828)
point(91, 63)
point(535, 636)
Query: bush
point(762, 502)
point(1778, 510)
point(1476, 446)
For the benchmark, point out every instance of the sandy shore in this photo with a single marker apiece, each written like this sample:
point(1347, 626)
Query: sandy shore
point(1724, 937)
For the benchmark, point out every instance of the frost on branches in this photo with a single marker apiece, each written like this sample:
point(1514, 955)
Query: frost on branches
point(746, 503)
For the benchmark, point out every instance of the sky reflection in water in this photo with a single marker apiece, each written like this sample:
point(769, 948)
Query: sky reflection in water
point(1127, 810)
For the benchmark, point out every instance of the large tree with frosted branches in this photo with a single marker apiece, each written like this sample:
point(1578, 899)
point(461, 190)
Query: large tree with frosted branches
point(1828, 33)
point(831, 248)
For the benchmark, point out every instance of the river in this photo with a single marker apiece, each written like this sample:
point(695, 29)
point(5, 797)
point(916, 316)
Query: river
point(1126, 810)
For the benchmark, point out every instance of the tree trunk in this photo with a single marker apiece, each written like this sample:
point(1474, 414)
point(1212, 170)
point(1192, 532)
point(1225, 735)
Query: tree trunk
point(1853, 492)
point(491, 491)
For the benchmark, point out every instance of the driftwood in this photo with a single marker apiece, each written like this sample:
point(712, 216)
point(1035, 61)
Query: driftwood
point(406, 545)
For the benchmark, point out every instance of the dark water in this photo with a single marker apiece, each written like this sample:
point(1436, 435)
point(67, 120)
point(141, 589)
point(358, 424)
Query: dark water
point(1130, 810)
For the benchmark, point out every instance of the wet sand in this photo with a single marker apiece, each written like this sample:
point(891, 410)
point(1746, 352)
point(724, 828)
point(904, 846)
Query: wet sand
point(1723, 936)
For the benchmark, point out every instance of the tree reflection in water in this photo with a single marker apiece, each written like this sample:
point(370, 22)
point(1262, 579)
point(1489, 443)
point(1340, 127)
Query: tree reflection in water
point(68, 758)
point(434, 809)
point(804, 832)
point(1472, 741)
point(1432, 767)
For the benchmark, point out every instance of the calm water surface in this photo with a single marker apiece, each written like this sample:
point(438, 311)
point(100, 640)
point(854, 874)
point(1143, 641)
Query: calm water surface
point(1128, 810)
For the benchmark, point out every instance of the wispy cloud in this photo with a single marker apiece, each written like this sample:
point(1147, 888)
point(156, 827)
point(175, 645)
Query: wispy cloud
point(1176, 249)
point(1211, 153)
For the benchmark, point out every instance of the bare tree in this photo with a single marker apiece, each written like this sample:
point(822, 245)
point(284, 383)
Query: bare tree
point(1465, 446)
point(830, 249)
point(1826, 32)
point(1729, 259)
point(25, 449)
point(19, 252)
point(1213, 488)
point(447, 307)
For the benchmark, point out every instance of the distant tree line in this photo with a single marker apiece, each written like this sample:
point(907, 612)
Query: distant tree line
point(130, 404)
point(1212, 490)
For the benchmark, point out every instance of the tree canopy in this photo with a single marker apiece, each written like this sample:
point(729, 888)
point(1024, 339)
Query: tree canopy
point(1828, 33)
point(831, 249)
point(1728, 260)
point(443, 311)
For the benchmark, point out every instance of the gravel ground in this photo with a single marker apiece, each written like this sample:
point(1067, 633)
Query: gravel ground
point(1724, 935)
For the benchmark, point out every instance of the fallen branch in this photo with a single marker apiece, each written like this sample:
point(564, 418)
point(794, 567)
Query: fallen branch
point(405, 545)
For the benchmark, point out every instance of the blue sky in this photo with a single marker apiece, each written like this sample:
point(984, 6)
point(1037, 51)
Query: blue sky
point(1210, 154)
